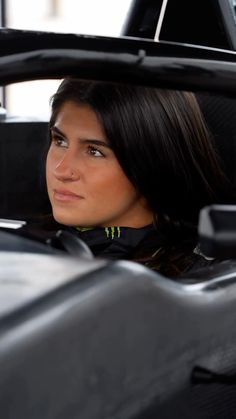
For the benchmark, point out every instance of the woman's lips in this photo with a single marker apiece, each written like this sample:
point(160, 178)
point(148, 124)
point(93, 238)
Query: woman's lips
point(65, 196)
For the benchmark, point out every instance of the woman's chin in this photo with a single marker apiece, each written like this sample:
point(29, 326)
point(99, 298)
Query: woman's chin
point(70, 221)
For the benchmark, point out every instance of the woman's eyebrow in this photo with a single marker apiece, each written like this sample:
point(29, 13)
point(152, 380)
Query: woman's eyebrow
point(82, 140)
point(57, 131)
point(94, 142)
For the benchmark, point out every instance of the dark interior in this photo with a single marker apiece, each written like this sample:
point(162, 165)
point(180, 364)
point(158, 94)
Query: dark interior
point(22, 184)
point(202, 22)
point(220, 112)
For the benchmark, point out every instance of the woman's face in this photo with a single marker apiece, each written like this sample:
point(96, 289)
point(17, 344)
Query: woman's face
point(86, 184)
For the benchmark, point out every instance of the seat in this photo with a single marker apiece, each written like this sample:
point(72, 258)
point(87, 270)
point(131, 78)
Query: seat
point(220, 115)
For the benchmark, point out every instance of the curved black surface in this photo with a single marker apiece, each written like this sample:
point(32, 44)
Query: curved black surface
point(112, 341)
point(12, 242)
point(29, 55)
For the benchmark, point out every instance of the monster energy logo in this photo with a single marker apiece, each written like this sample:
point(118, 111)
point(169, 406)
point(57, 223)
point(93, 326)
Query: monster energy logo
point(112, 232)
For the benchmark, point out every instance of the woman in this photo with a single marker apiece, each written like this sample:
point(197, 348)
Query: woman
point(129, 168)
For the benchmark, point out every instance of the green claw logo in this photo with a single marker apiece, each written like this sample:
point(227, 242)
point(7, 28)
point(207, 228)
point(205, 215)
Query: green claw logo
point(112, 232)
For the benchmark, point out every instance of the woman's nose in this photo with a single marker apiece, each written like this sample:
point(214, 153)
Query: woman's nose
point(67, 169)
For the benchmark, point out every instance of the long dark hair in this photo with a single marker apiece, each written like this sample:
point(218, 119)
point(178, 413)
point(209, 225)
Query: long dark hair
point(160, 140)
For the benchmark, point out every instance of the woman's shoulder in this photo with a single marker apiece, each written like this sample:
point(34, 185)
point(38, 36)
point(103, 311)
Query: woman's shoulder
point(171, 257)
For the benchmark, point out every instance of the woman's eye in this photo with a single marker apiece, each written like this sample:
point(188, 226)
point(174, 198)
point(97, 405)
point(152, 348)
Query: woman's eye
point(95, 152)
point(59, 142)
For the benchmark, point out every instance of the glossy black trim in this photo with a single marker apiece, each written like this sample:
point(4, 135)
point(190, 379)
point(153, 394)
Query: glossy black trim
point(27, 55)
point(142, 18)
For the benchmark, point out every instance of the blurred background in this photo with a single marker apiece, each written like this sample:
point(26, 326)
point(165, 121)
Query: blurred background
point(95, 17)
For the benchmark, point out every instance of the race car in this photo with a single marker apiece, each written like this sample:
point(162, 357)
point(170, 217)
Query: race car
point(84, 337)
